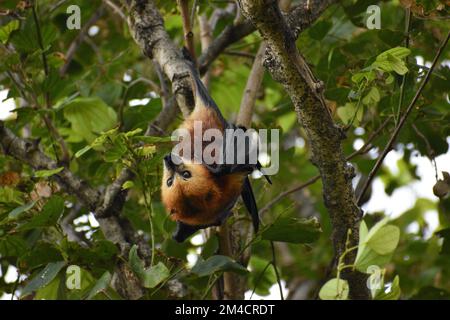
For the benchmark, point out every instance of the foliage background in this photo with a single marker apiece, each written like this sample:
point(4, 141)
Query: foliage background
point(110, 84)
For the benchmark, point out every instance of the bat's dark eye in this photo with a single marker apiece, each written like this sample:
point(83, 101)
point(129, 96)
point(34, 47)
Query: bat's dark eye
point(186, 174)
point(169, 182)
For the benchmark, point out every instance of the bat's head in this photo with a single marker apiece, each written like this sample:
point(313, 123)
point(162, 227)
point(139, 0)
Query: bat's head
point(187, 188)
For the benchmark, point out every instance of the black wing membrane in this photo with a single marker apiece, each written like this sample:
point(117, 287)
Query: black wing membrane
point(250, 203)
point(184, 231)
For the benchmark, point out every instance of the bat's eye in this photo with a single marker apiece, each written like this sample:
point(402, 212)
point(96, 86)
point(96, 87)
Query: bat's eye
point(169, 182)
point(186, 174)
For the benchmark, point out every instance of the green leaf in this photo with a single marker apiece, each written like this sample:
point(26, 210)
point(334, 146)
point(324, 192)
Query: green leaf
point(393, 294)
point(101, 285)
point(89, 116)
point(6, 30)
point(14, 214)
point(13, 246)
point(150, 277)
point(385, 240)
point(334, 289)
point(372, 97)
point(347, 113)
point(392, 60)
point(155, 275)
point(262, 282)
point(215, 264)
point(47, 173)
point(43, 277)
point(50, 291)
point(320, 29)
point(127, 185)
point(210, 247)
point(397, 52)
point(376, 246)
point(293, 230)
point(48, 216)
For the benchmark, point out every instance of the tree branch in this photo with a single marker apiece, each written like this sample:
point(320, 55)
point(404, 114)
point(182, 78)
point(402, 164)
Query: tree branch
point(288, 67)
point(366, 147)
point(187, 27)
point(28, 152)
point(147, 28)
point(251, 89)
point(70, 53)
point(402, 121)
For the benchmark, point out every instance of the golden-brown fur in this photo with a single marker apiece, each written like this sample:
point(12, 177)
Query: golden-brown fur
point(200, 199)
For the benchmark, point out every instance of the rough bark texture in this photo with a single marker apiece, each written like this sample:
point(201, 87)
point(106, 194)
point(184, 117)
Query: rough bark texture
point(289, 68)
point(147, 28)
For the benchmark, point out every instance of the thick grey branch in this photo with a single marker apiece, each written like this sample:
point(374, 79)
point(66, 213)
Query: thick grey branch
point(147, 28)
point(288, 67)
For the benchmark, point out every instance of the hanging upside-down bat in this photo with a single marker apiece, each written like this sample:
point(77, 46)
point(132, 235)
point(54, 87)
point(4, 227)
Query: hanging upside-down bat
point(199, 195)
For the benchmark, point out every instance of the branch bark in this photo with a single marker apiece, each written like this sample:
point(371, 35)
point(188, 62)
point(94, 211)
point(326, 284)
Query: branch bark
point(288, 67)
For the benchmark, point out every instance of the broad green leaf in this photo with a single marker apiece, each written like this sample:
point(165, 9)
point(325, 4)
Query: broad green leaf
point(14, 214)
point(372, 97)
point(217, 263)
point(13, 246)
point(368, 258)
point(6, 30)
point(101, 285)
point(50, 291)
point(397, 52)
point(397, 65)
point(363, 231)
point(44, 277)
point(262, 282)
point(47, 173)
point(155, 275)
point(48, 216)
point(385, 240)
point(294, 230)
point(89, 116)
point(150, 277)
point(347, 113)
point(334, 289)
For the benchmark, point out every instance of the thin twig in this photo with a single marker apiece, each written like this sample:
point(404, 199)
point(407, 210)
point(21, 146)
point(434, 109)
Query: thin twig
point(54, 134)
point(274, 264)
point(115, 8)
point(364, 149)
point(187, 27)
point(408, 15)
point(402, 121)
point(79, 39)
point(251, 89)
point(205, 40)
point(430, 150)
